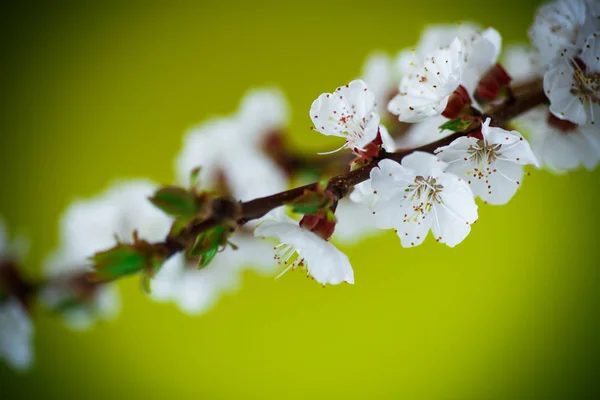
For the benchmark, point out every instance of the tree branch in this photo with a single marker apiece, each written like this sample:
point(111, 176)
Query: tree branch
point(228, 211)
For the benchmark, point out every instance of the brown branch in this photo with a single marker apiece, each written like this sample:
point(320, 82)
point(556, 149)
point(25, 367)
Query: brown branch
point(228, 211)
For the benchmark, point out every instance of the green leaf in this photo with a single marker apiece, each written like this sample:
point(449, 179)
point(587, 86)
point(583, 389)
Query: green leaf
point(119, 261)
point(455, 125)
point(176, 201)
point(208, 244)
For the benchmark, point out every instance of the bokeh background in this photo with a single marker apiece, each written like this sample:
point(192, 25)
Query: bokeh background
point(98, 90)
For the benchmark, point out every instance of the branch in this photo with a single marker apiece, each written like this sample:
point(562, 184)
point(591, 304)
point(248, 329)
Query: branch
point(227, 211)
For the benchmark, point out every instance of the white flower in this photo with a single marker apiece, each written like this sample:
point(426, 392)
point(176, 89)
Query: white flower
point(16, 335)
point(493, 165)
point(433, 38)
point(262, 112)
point(522, 63)
point(426, 90)
point(302, 248)
point(417, 196)
point(377, 72)
point(560, 145)
point(428, 83)
point(350, 112)
point(90, 226)
point(230, 150)
point(422, 133)
point(573, 86)
point(561, 28)
point(196, 291)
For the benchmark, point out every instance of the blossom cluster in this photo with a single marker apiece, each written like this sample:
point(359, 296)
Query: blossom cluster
point(423, 127)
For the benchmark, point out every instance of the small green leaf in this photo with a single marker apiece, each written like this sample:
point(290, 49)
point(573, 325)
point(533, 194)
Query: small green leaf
point(208, 244)
point(119, 261)
point(455, 125)
point(176, 201)
point(207, 257)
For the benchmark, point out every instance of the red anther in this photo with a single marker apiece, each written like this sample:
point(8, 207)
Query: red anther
point(563, 125)
point(457, 103)
point(492, 83)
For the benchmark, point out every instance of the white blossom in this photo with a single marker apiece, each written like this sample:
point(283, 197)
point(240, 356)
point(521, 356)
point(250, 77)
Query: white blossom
point(492, 165)
point(418, 195)
point(229, 150)
point(573, 86)
point(305, 249)
point(522, 63)
point(560, 28)
point(426, 90)
point(433, 38)
point(90, 226)
point(16, 327)
point(16, 335)
point(349, 112)
point(559, 145)
point(448, 56)
point(195, 291)
point(262, 111)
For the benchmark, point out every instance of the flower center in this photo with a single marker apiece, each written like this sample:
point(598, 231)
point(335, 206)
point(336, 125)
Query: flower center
point(354, 128)
point(423, 193)
point(481, 152)
point(586, 85)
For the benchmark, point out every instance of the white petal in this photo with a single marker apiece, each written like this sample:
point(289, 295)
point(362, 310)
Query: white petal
point(390, 178)
point(558, 82)
point(452, 218)
point(16, 333)
point(424, 164)
point(504, 180)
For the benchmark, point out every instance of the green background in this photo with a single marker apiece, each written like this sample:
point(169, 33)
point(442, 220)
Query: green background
point(93, 91)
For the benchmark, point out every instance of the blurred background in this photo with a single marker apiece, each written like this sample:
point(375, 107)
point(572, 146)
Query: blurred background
point(94, 91)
